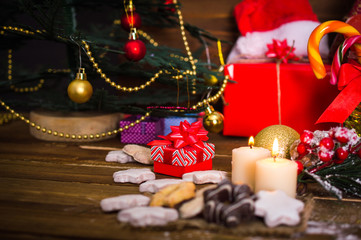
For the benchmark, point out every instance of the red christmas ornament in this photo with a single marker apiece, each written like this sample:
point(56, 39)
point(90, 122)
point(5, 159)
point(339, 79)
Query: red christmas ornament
point(327, 143)
point(134, 50)
point(306, 137)
point(130, 20)
point(168, 2)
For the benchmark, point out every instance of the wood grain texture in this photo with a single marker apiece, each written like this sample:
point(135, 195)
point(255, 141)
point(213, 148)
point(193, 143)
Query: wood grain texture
point(52, 190)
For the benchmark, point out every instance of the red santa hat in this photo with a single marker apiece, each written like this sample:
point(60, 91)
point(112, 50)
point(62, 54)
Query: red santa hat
point(260, 21)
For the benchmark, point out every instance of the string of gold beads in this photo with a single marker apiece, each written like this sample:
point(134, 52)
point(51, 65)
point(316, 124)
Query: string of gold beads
point(10, 77)
point(18, 29)
point(113, 84)
point(28, 89)
point(6, 117)
point(147, 37)
point(155, 44)
point(213, 98)
point(69, 135)
point(186, 46)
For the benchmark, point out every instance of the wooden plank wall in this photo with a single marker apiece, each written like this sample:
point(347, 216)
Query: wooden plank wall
point(216, 17)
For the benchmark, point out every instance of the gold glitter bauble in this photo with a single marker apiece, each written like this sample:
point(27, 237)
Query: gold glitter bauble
point(354, 120)
point(213, 120)
point(80, 90)
point(284, 134)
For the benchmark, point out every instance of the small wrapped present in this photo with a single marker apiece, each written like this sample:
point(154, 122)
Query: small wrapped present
point(182, 150)
point(175, 121)
point(141, 133)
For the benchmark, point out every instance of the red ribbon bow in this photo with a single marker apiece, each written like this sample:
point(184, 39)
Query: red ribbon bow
point(184, 135)
point(281, 50)
point(349, 82)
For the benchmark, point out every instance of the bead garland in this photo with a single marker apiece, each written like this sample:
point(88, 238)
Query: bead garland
point(118, 87)
point(186, 46)
point(73, 136)
point(27, 89)
point(113, 84)
point(6, 117)
point(10, 77)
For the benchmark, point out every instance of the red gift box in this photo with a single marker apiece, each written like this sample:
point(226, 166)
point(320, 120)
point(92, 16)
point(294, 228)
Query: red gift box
point(252, 102)
point(183, 150)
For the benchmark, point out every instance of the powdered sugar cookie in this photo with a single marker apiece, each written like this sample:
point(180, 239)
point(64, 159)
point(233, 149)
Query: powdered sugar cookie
point(278, 208)
point(154, 186)
point(118, 156)
point(139, 153)
point(136, 175)
point(207, 176)
point(123, 202)
point(148, 216)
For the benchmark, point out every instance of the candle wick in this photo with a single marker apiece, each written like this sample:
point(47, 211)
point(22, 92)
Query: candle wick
point(274, 158)
point(251, 146)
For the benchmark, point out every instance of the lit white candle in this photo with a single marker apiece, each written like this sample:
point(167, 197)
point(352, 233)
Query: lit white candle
point(244, 160)
point(276, 174)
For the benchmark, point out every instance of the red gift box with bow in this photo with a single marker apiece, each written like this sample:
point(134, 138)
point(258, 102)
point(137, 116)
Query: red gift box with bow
point(183, 150)
point(262, 95)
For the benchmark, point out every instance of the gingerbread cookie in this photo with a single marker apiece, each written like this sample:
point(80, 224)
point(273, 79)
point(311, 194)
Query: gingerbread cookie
point(278, 208)
point(136, 175)
point(174, 194)
point(148, 216)
point(207, 176)
point(195, 206)
point(124, 202)
point(154, 186)
point(228, 204)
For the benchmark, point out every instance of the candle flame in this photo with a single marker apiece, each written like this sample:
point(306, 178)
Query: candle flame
point(275, 148)
point(251, 141)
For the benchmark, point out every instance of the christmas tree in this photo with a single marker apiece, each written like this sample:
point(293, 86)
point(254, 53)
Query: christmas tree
point(106, 63)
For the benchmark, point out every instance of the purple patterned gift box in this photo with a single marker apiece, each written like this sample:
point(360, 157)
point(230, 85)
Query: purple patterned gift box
point(142, 133)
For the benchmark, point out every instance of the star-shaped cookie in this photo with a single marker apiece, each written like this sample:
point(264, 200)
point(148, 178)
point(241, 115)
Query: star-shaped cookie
point(278, 208)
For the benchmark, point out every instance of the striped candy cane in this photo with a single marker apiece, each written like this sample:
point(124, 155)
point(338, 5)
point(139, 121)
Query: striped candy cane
point(340, 53)
point(315, 38)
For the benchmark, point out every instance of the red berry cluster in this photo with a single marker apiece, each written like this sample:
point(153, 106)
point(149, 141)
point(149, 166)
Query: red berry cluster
point(333, 146)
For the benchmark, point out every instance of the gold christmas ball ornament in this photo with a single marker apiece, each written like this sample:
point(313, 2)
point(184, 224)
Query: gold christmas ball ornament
point(284, 134)
point(353, 121)
point(80, 90)
point(211, 79)
point(213, 120)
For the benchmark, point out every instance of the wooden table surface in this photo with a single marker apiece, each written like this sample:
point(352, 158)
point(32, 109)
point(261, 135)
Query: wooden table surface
point(52, 190)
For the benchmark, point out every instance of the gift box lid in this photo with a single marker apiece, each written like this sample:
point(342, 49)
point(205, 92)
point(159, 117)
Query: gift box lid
point(150, 125)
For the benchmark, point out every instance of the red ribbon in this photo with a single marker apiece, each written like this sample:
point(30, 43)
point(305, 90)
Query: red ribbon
point(190, 136)
point(280, 50)
point(184, 135)
point(349, 82)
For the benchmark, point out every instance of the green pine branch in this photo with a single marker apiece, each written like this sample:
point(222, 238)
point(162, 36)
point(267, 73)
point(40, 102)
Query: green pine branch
point(339, 179)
